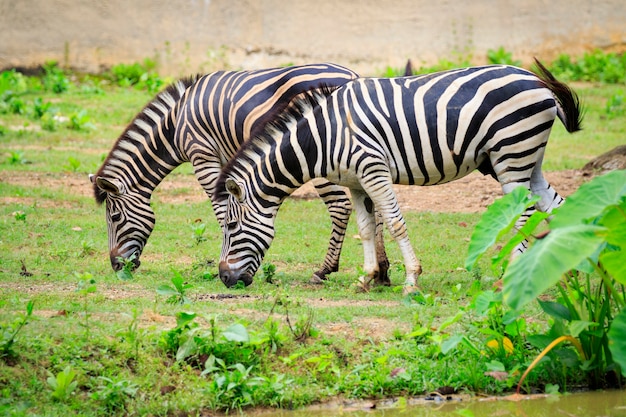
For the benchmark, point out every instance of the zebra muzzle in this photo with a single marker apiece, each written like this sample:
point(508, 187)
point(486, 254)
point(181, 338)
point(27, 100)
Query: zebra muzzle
point(119, 262)
point(231, 277)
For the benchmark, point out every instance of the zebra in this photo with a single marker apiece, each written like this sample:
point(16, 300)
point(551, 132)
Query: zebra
point(371, 133)
point(204, 120)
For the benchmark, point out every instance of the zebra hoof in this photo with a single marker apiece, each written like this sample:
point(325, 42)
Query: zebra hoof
point(409, 289)
point(363, 284)
point(316, 280)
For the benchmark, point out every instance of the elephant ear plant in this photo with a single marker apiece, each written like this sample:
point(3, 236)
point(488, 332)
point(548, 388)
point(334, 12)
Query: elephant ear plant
point(581, 257)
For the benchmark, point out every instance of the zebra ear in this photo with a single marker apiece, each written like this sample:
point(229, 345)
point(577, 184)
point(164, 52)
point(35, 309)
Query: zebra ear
point(110, 186)
point(234, 189)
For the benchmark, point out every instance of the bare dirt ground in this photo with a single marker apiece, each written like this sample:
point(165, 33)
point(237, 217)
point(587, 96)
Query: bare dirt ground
point(471, 194)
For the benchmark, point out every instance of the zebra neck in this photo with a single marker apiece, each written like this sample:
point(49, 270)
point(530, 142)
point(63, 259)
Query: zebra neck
point(141, 165)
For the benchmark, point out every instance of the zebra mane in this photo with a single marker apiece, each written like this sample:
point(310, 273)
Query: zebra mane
point(161, 104)
point(279, 122)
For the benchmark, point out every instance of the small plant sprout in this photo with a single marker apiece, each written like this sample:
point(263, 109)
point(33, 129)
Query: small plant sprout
point(63, 384)
point(198, 228)
point(269, 271)
point(20, 216)
point(72, 164)
point(126, 273)
point(86, 285)
point(87, 248)
point(17, 158)
point(178, 293)
point(80, 121)
point(114, 394)
point(616, 105)
point(8, 332)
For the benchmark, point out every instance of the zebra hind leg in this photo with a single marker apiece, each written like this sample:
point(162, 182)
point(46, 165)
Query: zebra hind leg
point(382, 278)
point(549, 200)
point(339, 207)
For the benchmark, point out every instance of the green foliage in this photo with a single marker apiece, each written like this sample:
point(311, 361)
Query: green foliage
point(616, 106)
point(114, 394)
point(269, 271)
point(72, 164)
point(80, 121)
point(584, 252)
point(592, 66)
point(54, 78)
point(17, 158)
point(9, 331)
point(12, 82)
point(501, 56)
point(40, 108)
point(63, 384)
point(233, 386)
point(177, 294)
point(139, 75)
point(198, 228)
point(126, 273)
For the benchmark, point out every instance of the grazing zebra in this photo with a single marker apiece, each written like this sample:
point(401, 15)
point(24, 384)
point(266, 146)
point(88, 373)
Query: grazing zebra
point(204, 120)
point(371, 133)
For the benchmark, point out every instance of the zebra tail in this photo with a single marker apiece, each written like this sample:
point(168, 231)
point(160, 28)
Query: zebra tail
point(570, 111)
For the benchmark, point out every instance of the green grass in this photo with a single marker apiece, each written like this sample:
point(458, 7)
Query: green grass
point(53, 243)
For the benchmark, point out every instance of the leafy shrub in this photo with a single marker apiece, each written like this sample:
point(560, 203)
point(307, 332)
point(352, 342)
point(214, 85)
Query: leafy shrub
point(584, 253)
point(9, 331)
point(501, 56)
point(140, 75)
point(592, 66)
point(54, 78)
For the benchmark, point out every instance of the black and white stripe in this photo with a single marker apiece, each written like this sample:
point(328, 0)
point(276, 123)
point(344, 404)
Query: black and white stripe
point(371, 133)
point(204, 120)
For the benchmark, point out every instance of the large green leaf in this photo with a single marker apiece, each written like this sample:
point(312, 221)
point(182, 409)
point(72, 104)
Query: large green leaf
point(617, 340)
point(591, 199)
point(499, 218)
point(236, 333)
point(541, 266)
point(615, 265)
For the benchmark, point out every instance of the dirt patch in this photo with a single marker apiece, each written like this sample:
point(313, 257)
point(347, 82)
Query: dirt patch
point(471, 194)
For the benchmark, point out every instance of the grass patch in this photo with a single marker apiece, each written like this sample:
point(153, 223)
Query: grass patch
point(97, 345)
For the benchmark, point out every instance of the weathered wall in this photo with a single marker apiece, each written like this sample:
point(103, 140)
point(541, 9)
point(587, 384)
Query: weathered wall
point(187, 36)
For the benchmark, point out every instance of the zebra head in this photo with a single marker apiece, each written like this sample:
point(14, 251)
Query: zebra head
point(248, 233)
point(130, 220)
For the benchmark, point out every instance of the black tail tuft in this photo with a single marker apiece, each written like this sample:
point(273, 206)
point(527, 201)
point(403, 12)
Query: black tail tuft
point(571, 113)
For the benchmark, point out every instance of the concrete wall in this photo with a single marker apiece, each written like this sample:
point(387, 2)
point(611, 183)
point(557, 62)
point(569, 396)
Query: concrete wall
point(188, 36)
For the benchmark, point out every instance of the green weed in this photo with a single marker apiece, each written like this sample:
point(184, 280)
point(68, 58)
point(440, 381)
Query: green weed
point(17, 158)
point(126, 273)
point(9, 331)
point(114, 394)
point(80, 121)
point(177, 293)
point(615, 105)
point(63, 384)
point(55, 79)
point(198, 228)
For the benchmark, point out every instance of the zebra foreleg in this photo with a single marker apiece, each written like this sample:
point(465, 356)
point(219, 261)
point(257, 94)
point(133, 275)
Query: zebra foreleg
point(366, 224)
point(386, 203)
